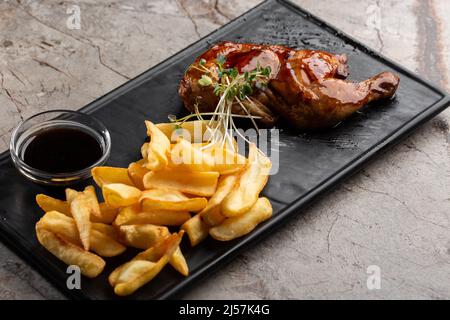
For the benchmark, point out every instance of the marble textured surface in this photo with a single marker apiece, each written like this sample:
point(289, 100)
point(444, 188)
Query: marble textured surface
point(394, 214)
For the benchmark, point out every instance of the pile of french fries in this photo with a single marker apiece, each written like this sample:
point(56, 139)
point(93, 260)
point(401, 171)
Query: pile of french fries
point(202, 188)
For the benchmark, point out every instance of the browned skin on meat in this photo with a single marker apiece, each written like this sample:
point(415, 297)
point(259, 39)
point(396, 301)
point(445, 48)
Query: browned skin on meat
point(306, 87)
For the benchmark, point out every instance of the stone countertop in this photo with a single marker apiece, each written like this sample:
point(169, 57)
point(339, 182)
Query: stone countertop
point(395, 214)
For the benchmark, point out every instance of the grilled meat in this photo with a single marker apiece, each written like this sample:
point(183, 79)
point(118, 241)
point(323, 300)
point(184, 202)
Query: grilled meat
point(306, 87)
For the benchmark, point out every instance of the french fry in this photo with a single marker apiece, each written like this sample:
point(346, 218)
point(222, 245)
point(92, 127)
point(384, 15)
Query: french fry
point(120, 195)
point(154, 193)
point(106, 229)
point(251, 182)
point(241, 225)
point(47, 203)
point(108, 175)
point(129, 277)
point(82, 205)
point(187, 156)
point(142, 236)
point(184, 156)
point(150, 254)
point(90, 200)
point(107, 214)
point(178, 262)
point(161, 247)
point(211, 213)
point(227, 161)
point(167, 217)
point(105, 246)
point(213, 217)
point(167, 199)
point(196, 183)
point(192, 131)
point(196, 229)
point(129, 215)
point(147, 235)
point(134, 215)
point(65, 227)
point(144, 151)
point(157, 149)
point(89, 263)
point(135, 274)
point(137, 171)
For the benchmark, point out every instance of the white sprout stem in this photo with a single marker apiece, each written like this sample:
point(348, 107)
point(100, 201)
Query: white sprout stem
point(221, 121)
point(248, 113)
point(203, 69)
point(237, 131)
point(200, 114)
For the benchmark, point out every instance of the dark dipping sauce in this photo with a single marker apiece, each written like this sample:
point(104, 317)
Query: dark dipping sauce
point(62, 150)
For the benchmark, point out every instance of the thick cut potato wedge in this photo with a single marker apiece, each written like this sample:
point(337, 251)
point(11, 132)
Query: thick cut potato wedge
point(213, 217)
point(164, 217)
point(144, 152)
point(82, 205)
point(185, 156)
point(118, 195)
point(152, 254)
point(196, 229)
point(107, 214)
point(227, 161)
point(196, 183)
point(211, 213)
point(137, 273)
point(47, 203)
point(89, 263)
point(137, 171)
point(192, 131)
point(108, 175)
point(133, 269)
point(190, 157)
point(251, 182)
point(147, 235)
point(134, 215)
point(157, 149)
point(241, 225)
point(90, 198)
point(129, 277)
point(142, 236)
point(87, 197)
point(106, 229)
point(65, 227)
point(167, 199)
point(178, 262)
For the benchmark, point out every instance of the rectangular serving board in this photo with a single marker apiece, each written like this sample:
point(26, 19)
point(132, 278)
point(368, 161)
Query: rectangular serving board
point(309, 164)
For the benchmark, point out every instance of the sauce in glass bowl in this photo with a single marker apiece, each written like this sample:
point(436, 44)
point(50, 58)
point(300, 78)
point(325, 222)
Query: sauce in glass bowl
point(59, 150)
point(59, 147)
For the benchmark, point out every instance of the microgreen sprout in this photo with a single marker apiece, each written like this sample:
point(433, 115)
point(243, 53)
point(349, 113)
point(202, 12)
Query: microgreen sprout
point(234, 90)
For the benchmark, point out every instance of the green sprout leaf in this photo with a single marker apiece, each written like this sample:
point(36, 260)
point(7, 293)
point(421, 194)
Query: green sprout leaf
point(266, 71)
point(247, 90)
point(217, 89)
point(221, 60)
point(234, 73)
point(205, 81)
point(231, 87)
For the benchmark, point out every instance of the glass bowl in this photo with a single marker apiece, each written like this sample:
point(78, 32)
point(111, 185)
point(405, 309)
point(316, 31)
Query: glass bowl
point(57, 119)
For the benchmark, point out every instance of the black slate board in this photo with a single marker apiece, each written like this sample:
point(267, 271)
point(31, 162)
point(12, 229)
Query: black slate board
point(309, 163)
